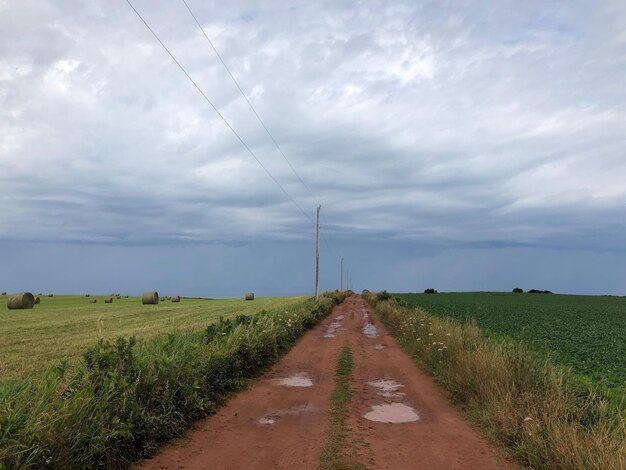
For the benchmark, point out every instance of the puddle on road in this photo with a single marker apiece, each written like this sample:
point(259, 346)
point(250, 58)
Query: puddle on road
point(331, 330)
point(387, 388)
point(370, 330)
point(392, 413)
point(301, 379)
point(272, 418)
point(378, 346)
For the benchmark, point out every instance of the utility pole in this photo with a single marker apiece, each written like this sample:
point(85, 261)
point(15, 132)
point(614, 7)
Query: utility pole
point(341, 283)
point(317, 256)
point(347, 279)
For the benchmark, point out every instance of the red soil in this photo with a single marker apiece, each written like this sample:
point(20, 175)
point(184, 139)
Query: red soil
point(276, 426)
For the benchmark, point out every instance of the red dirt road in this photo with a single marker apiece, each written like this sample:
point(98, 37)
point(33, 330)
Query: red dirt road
point(274, 425)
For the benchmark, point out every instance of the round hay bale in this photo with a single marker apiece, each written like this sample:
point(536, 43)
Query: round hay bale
point(20, 301)
point(150, 298)
point(108, 300)
point(37, 300)
point(176, 298)
point(249, 296)
point(92, 301)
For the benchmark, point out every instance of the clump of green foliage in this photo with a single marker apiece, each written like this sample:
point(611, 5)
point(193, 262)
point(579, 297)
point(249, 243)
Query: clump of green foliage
point(127, 397)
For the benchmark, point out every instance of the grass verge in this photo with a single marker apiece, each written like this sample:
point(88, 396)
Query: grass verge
point(333, 454)
point(126, 398)
point(521, 399)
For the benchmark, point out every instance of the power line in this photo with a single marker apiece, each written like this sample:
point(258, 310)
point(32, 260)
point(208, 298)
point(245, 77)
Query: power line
point(219, 56)
point(251, 106)
point(218, 113)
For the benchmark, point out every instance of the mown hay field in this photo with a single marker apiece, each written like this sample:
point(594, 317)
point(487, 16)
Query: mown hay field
point(586, 333)
point(64, 326)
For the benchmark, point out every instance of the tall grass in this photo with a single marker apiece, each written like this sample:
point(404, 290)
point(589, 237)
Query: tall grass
point(126, 398)
point(521, 399)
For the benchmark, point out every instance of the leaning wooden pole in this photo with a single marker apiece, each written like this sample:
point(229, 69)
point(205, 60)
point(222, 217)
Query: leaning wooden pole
point(317, 255)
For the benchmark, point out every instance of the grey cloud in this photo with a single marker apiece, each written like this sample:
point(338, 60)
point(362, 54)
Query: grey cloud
point(472, 124)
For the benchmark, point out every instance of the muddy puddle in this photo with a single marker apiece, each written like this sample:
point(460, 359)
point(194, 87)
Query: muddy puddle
point(387, 388)
point(275, 416)
point(378, 346)
point(333, 327)
point(301, 379)
point(392, 413)
point(370, 330)
point(266, 421)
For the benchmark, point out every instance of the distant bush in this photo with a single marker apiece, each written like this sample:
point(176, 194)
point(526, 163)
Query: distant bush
point(538, 291)
point(382, 296)
point(430, 291)
point(517, 290)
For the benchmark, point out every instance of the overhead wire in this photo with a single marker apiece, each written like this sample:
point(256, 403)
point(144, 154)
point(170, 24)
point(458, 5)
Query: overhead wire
point(245, 97)
point(251, 106)
point(219, 113)
point(254, 111)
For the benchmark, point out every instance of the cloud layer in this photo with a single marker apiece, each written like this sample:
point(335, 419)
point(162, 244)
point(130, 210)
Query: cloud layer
point(469, 124)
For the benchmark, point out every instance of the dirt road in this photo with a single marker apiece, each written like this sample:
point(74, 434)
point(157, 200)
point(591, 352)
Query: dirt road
point(281, 420)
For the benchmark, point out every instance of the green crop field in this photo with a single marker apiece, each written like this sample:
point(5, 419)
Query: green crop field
point(586, 333)
point(64, 326)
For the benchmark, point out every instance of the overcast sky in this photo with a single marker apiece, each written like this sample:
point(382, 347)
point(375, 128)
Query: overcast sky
point(460, 145)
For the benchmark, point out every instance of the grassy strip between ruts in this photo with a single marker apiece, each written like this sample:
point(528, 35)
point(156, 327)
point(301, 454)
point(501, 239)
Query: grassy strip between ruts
point(333, 454)
point(521, 399)
point(124, 399)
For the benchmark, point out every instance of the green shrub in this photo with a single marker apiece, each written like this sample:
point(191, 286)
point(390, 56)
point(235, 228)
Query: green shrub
point(382, 296)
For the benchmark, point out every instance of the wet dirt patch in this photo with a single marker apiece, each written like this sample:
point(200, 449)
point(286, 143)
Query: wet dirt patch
point(387, 388)
point(392, 413)
point(273, 417)
point(300, 379)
